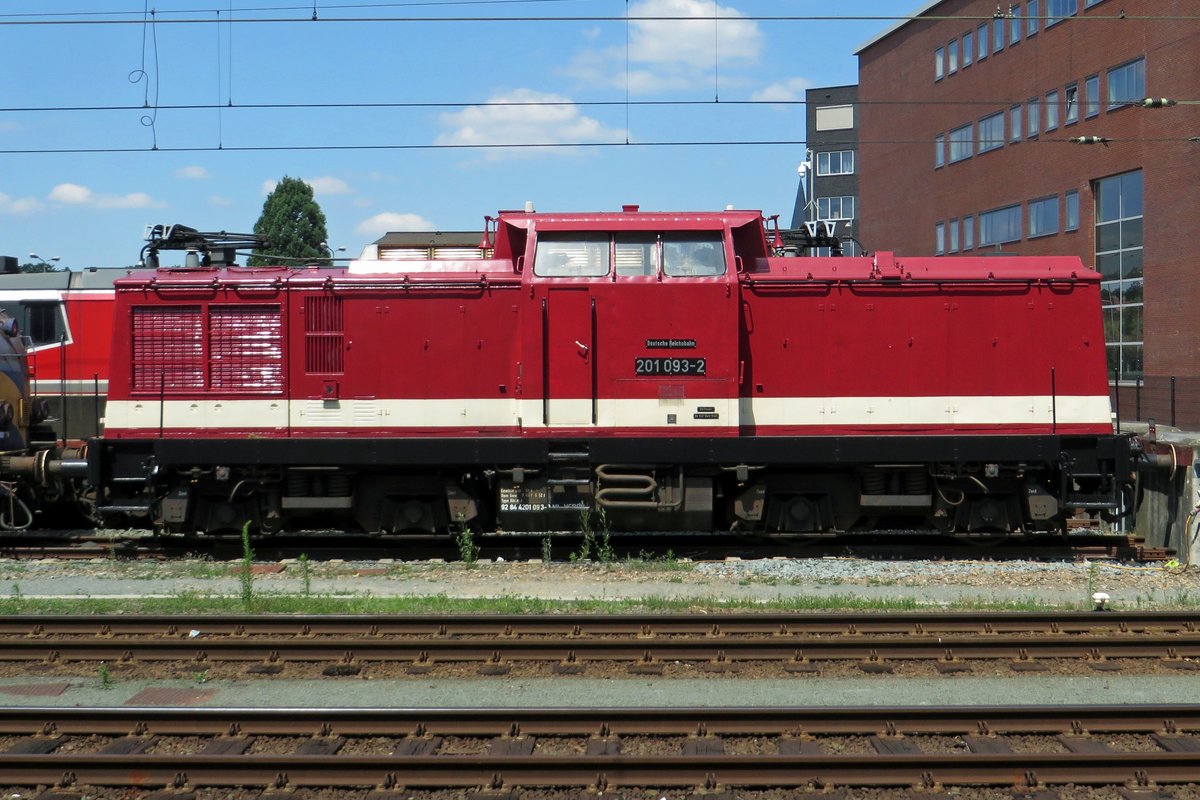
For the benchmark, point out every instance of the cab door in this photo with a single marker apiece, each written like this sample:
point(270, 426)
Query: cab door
point(568, 356)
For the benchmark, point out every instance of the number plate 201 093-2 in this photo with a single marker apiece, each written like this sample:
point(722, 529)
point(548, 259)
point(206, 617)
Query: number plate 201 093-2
point(669, 366)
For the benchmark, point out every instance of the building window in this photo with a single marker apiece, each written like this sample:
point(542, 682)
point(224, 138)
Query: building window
point(1014, 24)
point(991, 132)
point(939, 238)
point(1014, 124)
point(997, 35)
point(939, 153)
point(838, 162)
point(952, 236)
point(1051, 111)
point(1119, 261)
point(952, 52)
point(982, 52)
point(1091, 92)
point(961, 144)
point(1031, 18)
point(1000, 226)
point(835, 207)
point(1043, 217)
point(968, 48)
point(1033, 117)
point(1072, 101)
point(939, 63)
point(1072, 211)
point(1126, 84)
point(1058, 10)
point(968, 233)
point(1090, 3)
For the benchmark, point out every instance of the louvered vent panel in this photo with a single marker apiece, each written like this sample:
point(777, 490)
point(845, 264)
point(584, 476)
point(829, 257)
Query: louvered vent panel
point(168, 349)
point(457, 254)
point(246, 348)
point(323, 335)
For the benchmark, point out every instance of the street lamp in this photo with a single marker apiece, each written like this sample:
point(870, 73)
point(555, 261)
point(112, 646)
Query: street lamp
point(807, 173)
point(332, 251)
point(42, 262)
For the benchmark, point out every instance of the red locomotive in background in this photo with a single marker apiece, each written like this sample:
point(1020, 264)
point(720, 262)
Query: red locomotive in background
point(665, 368)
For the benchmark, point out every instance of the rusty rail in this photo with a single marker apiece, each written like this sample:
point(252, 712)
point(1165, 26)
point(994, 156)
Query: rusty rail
point(643, 641)
point(511, 758)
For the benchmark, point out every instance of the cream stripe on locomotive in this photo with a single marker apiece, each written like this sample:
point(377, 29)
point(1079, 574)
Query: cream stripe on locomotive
point(527, 413)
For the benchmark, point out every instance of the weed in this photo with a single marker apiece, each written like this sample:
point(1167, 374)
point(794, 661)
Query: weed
point(546, 557)
point(587, 542)
point(306, 574)
point(605, 551)
point(200, 677)
point(15, 594)
point(468, 551)
point(246, 575)
point(667, 562)
point(105, 676)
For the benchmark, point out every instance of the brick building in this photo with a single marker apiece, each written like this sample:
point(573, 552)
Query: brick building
point(966, 124)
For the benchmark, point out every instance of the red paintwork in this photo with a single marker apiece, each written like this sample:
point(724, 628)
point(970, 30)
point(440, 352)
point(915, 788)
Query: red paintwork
point(778, 328)
point(86, 353)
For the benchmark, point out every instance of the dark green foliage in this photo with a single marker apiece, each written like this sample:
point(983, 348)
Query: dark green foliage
point(42, 266)
point(294, 225)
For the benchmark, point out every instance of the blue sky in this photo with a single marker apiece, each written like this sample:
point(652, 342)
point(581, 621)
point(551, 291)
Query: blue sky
point(91, 209)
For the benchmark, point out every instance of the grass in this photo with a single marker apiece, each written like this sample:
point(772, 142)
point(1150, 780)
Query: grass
point(265, 602)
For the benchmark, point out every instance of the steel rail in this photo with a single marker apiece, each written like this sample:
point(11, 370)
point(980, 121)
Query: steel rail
point(754, 771)
point(768, 721)
point(650, 649)
point(509, 625)
point(801, 764)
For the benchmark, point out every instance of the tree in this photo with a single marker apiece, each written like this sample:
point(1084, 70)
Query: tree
point(40, 266)
point(293, 225)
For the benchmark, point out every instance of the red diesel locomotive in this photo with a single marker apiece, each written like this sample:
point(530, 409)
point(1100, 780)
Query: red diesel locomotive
point(667, 369)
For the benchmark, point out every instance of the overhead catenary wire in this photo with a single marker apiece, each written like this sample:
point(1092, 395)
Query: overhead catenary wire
point(428, 104)
point(308, 20)
point(517, 145)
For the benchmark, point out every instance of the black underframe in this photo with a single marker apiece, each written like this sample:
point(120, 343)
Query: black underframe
point(132, 458)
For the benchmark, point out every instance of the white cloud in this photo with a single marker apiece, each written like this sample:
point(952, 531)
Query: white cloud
point(71, 194)
point(193, 173)
point(218, 200)
point(328, 185)
point(268, 186)
point(135, 200)
point(558, 123)
point(786, 91)
point(672, 53)
point(393, 221)
point(18, 205)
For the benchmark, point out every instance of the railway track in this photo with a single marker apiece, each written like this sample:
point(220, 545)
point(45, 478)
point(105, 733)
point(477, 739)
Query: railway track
point(502, 753)
point(644, 643)
point(142, 545)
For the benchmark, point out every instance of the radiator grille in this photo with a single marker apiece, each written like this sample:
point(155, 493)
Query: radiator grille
point(246, 348)
point(239, 350)
point(323, 335)
point(168, 349)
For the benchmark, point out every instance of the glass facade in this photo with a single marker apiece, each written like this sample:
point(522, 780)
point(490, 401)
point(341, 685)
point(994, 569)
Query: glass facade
point(1119, 260)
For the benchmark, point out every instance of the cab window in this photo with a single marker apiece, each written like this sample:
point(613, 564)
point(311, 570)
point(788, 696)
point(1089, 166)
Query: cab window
point(688, 255)
point(636, 254)
point(571, 256)
point(41, 322)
